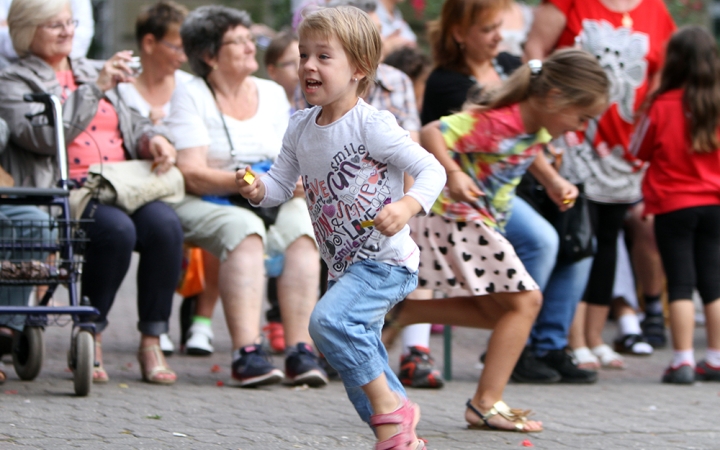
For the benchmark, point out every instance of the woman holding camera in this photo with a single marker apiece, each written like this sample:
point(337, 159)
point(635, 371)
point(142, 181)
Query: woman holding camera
point(99, 128)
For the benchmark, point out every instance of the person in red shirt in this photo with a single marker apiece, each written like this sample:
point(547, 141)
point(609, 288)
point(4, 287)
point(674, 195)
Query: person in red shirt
point(628, 39)
point(679, 137)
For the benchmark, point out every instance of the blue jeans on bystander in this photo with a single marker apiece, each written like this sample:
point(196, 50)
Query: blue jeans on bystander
point(562, 283)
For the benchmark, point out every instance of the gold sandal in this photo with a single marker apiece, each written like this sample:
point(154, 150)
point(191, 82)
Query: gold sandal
point(517, 416)
point(150, 374)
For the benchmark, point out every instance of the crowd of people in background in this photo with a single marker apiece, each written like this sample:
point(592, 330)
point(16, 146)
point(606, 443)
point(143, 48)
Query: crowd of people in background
point(599, 107)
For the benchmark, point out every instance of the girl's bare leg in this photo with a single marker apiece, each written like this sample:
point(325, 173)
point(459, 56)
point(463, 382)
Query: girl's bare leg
point(517, 313)
point(682, 324)
point(576, 338)
point(511, 316)
point(595, 323)
point(712, 324)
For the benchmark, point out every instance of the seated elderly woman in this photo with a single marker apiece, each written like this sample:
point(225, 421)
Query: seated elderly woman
point(98, 127)
point(224, 119)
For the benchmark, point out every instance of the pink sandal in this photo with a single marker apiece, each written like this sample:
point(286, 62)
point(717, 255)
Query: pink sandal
point(406, 418)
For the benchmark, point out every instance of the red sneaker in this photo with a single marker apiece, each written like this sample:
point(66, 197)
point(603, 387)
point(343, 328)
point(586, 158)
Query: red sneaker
point(417, 369)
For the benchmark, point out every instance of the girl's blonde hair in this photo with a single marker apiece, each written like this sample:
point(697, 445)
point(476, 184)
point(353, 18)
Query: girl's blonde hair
point(458, 16)
point(575, 74)
point(24, 17)
point(356, 32)
point(693, 64)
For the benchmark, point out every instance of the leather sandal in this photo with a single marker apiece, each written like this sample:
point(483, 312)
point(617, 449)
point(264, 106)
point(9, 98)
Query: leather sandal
point(609, 358)
point(151, 374)
point(406, 417)
point(517, 416)
point(99, 375)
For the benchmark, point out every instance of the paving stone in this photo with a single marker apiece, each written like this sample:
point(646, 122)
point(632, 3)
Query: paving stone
point(628, 409)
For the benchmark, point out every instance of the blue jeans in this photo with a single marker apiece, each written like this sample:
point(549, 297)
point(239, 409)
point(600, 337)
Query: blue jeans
point(560, 298)
point(562, 283)
point(22, 222)
point(347, 321)
point(534, 239)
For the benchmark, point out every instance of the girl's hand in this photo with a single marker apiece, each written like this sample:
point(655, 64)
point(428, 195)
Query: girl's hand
point(563, 193)
point(462, 188)
point(249, 185)
point(393, 217)
point(163, 153)
point(115, 70)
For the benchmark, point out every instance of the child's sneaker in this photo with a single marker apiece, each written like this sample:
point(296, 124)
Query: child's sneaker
point(682, 374)
point(166, 345)
point(254, 368)
point(302, 366)
point(417, 369)
point(199, 342)
point(706, 372)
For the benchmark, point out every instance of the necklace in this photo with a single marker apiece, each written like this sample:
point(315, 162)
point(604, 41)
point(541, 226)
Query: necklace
point(222, 118)
point(627, 21)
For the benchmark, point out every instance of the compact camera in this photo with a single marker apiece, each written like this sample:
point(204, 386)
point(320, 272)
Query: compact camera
point(135, 65)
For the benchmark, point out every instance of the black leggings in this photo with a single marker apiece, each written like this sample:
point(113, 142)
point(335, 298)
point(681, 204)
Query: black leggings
point(155, 232)
point(689, 244)
point(607, 221)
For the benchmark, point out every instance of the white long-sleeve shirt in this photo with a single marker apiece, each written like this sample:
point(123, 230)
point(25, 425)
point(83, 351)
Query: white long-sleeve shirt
point(350, 169)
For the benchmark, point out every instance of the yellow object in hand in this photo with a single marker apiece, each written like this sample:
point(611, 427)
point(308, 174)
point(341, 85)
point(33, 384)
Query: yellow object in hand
point(367, 223)
point(249, 177)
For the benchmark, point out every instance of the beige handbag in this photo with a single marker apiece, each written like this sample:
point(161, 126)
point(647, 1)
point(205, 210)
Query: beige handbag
point(127, 185)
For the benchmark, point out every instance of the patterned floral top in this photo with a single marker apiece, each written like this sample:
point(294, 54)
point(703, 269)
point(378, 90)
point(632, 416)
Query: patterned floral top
point(494, 149)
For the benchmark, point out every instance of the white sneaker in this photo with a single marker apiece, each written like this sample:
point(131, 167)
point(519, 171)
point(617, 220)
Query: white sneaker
point(166, 345)
point(199, 341)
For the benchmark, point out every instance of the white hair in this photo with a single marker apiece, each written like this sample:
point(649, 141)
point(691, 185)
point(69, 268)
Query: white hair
point(24, 17)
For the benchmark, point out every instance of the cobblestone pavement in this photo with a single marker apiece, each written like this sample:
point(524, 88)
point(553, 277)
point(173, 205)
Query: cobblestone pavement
point(625, 409)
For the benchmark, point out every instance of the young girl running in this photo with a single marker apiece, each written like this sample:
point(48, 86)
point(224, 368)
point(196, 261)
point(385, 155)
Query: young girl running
point(679, 137)
point(485, 150)
point(351, 158)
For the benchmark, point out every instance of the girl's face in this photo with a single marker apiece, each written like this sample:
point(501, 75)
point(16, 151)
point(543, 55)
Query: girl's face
point(53, 39)
point(481, 40)
point(570, 118)
point(326, 73)
point(237, 52)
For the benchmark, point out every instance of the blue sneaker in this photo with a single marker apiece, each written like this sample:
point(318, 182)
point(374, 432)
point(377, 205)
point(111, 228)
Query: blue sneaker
point(254, 368)
point(302, 366)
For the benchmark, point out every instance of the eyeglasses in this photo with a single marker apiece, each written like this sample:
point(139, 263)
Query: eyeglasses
point(295, 63)
point(176, 48)
point(57, 27)
point(241, 40)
